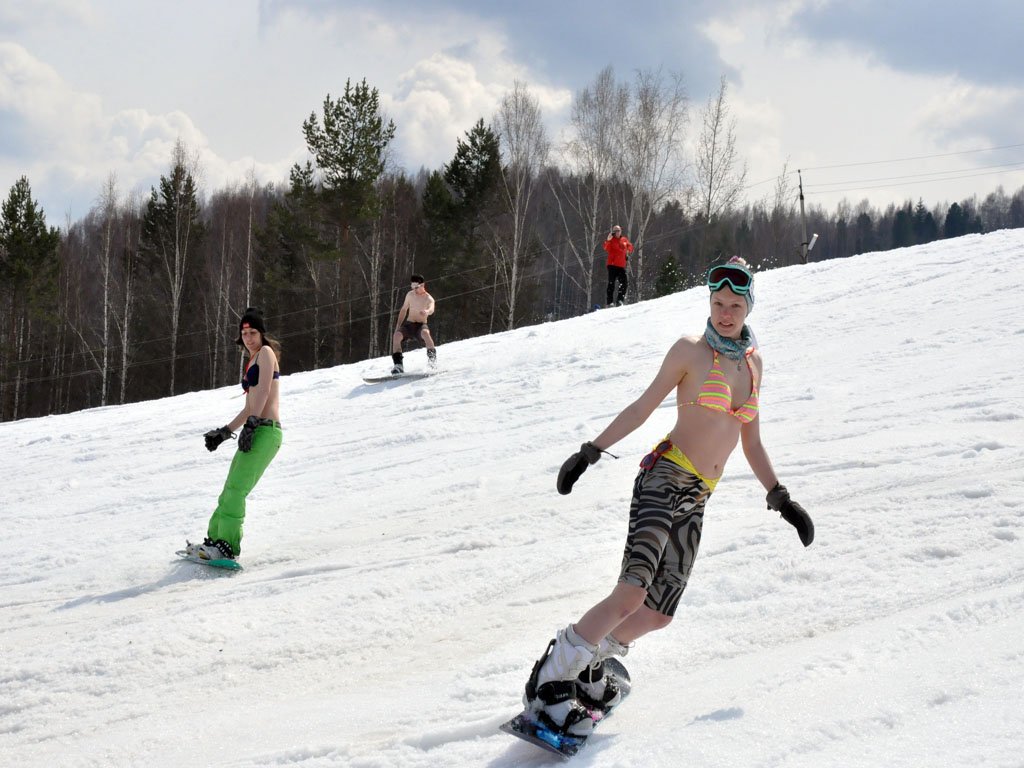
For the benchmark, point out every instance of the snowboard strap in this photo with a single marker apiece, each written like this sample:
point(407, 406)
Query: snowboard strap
point(554, 692)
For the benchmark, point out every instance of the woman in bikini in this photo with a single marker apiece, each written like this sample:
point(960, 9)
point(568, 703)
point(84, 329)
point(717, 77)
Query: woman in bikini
point(716, 377)
point(258, 441)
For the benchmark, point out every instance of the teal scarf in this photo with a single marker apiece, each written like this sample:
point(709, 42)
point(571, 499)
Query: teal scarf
point(734, 349)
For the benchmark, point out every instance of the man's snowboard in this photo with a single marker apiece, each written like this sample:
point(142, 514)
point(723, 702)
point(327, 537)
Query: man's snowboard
point(561, 743)
point(226, 564)
point(397, 376)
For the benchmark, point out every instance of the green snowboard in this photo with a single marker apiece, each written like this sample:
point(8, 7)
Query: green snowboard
point(226, 564)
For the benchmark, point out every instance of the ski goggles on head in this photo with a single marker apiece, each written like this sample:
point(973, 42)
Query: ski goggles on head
point(733, 275)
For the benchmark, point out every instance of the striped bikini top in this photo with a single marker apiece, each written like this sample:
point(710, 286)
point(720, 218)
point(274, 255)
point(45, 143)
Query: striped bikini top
point(716, 394)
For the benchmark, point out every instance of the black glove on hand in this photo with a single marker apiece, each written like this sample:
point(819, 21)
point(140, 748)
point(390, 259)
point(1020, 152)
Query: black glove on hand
point(248, 430)
point(778, 499)
point(575, 466)
point(217, 436)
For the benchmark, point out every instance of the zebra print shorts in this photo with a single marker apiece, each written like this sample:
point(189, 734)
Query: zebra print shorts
point(665, 519)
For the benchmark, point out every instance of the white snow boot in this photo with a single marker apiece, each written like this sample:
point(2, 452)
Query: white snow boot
point(596, 690)
point(210, 550)
point(550, 696)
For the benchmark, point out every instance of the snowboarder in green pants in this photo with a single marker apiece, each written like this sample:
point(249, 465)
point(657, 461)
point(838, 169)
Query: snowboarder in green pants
point(258, 441)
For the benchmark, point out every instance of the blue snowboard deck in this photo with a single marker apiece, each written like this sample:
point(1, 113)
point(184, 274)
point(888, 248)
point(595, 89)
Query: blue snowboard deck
point(562, 744)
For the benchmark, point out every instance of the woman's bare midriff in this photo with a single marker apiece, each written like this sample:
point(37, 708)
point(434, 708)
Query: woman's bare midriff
point(271, 409)
point(707, 438)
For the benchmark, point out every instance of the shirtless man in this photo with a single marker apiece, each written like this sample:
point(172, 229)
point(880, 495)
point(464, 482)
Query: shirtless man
point(412, 323)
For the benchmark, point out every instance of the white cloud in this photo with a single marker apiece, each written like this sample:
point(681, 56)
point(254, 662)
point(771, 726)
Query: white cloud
point(255, 71)
point(442, 97)
point(829, 105)
point(437, 101)
point(434, 96)
point(65, 142)
point(35, 92)
point(437, 72)
point(19, 14)
point(963, 113)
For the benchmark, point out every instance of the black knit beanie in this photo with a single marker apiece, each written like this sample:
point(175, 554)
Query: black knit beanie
point(253, 318)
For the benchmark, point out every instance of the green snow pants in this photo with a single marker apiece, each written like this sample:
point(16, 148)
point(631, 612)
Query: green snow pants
point(246, 470)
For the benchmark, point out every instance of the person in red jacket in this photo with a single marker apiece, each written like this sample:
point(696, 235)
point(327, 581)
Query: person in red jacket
point(618, 247)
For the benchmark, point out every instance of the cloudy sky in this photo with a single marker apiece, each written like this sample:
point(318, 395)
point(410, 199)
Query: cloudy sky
point(884, 100)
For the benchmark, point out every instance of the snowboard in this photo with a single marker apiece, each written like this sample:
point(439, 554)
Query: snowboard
point(398, 376)
point(226, 564)
point(563, 744)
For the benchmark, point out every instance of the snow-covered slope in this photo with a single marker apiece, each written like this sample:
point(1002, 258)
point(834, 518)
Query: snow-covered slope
point(407, 557)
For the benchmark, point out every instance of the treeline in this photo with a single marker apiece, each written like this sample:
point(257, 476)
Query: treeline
point(141, 298)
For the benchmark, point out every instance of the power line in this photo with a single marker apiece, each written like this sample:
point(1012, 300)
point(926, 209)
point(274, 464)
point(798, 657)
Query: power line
point(941, 175)
point(908, 159)
point(893, 160)
point(966, 175)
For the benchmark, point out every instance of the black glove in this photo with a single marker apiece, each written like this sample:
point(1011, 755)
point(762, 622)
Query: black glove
point(778, 499)
point(248, 430)
point(217, 436)
point(575, 466)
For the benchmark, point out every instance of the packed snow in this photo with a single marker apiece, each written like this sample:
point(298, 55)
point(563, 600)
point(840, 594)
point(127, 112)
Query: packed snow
point(407, 557)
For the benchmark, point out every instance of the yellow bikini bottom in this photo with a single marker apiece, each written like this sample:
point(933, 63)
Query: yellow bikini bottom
point(680, 459)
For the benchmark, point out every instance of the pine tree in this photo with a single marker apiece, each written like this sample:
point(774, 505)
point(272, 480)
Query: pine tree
point(925, 227)
point(457, 208)
point(171, 232)
point(474, 174)
point(864, 239)
point(295, 259)
point(670, 278)
point(903, 228)
point(349, 143)
point(441, 214)
point(28, 285)
point(1016, 212)
point(956, 222)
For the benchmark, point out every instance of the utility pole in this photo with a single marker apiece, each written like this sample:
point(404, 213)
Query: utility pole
point(805, 246)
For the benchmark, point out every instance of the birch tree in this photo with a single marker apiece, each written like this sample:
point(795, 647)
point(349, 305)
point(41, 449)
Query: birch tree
point(129, 251)
point(107, 213)
point(720, 173)
point(653, 163)
point(781, 219)
point(108, 204)
point(590, 157)
point(526, 147)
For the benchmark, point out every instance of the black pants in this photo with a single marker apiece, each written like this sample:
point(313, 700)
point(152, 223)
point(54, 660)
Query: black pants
point(616, 274)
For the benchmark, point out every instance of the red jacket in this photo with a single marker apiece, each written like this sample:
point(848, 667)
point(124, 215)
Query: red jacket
point(617, 248)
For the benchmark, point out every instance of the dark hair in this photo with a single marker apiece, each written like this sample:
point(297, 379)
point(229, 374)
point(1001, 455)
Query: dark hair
point(274, 344)
point(416, 279)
